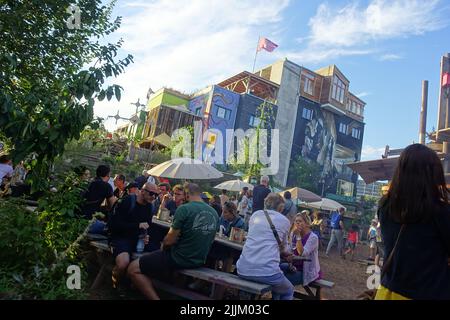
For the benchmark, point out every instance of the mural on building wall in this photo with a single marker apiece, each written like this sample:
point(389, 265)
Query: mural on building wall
point(320, 146)
point(217, 116)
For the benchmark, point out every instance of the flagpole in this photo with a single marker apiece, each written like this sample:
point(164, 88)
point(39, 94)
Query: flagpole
point(256, 54)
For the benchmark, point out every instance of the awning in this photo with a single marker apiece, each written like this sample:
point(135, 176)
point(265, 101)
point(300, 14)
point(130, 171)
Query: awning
point(163, 139)
point(381, 169)
point(375, 170)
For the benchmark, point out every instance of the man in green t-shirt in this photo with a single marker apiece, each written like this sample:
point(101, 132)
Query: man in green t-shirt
point(186, 245)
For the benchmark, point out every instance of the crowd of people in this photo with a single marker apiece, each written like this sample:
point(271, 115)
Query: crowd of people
point(411, 233)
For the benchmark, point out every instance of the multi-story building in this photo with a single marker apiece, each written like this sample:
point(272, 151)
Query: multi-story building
point(318, 118)
point(217, 108)
point(167, 110)
point(370, 190)
point(321, 120)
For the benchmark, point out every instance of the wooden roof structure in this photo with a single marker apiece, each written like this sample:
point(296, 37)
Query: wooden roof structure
point(247, 82)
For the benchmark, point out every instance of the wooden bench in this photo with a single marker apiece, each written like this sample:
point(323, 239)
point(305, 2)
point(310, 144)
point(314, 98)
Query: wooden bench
point(220, 279)
point(317, 285)
point(105, 260)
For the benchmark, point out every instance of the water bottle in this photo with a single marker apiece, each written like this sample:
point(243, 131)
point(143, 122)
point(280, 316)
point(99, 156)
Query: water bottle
point(140, 244)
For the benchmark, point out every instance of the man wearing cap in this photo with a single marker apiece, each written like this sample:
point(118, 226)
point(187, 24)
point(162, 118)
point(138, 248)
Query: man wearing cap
point(132, 215)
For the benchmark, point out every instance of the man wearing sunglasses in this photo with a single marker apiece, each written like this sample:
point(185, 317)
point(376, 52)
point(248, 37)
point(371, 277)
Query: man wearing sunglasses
point(132, 215)
point(186, 245)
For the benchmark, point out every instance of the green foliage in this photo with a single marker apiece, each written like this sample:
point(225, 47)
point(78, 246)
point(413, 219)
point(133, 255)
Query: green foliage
point(37, 247)
point(167, 152)
point(47, 94)
point(58, 212)
point(369, 205)
point(22, 245)
point(265, 114)
point(306, 174)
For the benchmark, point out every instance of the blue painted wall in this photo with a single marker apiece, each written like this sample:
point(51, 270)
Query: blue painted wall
point(218, 108)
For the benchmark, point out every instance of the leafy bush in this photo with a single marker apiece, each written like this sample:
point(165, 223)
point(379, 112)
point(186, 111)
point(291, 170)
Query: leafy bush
point(37, 247)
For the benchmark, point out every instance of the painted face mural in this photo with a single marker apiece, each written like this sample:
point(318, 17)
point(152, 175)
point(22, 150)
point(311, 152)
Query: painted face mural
point(320, 145)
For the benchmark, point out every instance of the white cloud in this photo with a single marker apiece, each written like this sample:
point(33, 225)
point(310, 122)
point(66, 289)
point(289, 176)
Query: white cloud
point(390, 57)
point(371, 153)
point(353, 28)
point(363, 94)
point(190, 45)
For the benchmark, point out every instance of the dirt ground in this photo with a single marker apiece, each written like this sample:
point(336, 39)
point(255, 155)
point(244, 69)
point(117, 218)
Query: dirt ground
point(350, 277)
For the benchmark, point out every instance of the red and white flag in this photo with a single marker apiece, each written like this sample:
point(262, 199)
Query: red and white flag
point(266, 44)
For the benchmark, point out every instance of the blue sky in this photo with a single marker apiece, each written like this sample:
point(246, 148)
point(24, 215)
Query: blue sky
point(385, 49)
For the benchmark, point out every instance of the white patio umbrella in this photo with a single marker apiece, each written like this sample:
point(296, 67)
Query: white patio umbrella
point(234, 185)
point(302, 195)
point(326, 204)
point(185, 168)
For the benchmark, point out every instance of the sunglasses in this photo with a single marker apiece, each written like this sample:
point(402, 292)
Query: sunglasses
point(154, 194)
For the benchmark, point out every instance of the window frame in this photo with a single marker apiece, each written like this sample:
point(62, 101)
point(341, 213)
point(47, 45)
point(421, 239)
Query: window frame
point(308, 111)
point(356, 133)
point(227, 112)
point(252, 119)
point(343, 126)
point(308, 84)
point(338, 89)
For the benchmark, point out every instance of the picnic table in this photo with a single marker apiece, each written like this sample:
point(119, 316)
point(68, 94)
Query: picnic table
point(233, 248)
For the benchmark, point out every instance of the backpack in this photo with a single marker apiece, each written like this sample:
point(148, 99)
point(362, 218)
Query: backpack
point(113, 214)
point(287, 209)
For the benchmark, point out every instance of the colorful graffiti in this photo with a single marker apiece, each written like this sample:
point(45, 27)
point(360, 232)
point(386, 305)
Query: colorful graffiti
point(218, 108)
point(320, 145)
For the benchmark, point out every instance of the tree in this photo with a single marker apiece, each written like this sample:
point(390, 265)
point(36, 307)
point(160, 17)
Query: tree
point(265, 114)
point(51, 75)
point(369, 206)
point(306, 174)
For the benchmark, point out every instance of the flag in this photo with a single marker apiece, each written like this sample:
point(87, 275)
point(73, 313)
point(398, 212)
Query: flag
point(266, 44)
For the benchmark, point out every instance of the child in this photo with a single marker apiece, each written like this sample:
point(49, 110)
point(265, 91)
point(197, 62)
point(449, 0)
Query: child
point(372, 236)
point(352, 240)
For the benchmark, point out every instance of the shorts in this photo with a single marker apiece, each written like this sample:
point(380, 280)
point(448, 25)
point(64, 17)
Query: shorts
point(157, 264)
point(126, 245)
point(372, 244)
point(380, 249)
point(351, 245)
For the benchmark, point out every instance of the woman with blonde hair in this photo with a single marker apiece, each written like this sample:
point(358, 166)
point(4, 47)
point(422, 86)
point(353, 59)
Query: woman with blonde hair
point(304, 243)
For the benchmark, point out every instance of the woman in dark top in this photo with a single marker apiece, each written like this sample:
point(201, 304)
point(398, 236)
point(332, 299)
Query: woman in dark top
point(418, 200)
point(215, 203)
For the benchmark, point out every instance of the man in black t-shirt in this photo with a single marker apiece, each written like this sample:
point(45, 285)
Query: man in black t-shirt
point(132, 215)
point(98, 190)
point(260, 192)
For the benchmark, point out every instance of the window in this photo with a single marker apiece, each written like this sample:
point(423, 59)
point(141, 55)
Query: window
point(338, 91)
point(356, 133)
point(345, 188)
point(223, 113)
point(343, 128)
point(198, 111)
point(307, 114)
point(254, 121)
point(308, 86)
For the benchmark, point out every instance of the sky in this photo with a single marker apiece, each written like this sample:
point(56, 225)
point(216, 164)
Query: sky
point(385, 49)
